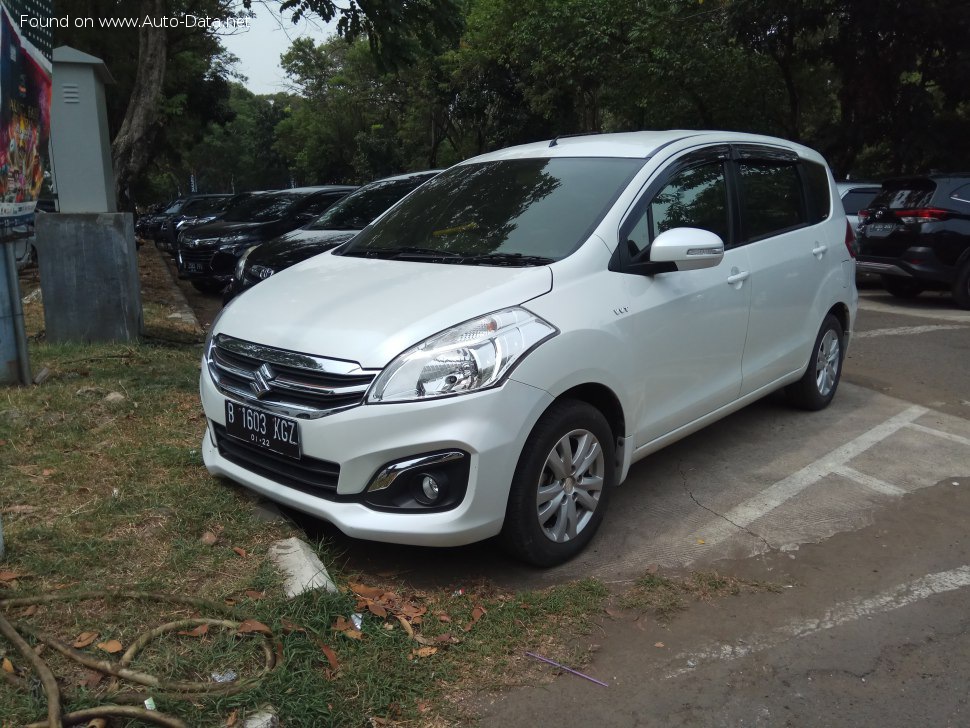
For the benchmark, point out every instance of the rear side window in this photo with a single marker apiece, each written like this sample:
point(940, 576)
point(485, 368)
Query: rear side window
point(961, 194)
point(905, 194)
point(771, 198)
point(820, 197)
point(856, 200)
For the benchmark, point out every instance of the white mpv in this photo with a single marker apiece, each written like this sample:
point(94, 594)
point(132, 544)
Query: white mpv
point(491, 355)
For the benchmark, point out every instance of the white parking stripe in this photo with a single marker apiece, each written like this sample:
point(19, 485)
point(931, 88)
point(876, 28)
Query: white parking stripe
point(919, 311)
point(905, 330)
point(939, 433)
point(843, 613)
point(746, 513)
point(870, 482)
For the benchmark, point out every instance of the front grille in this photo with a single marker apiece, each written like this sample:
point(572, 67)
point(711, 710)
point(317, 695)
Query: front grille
point(318, 477)
point(294, 384)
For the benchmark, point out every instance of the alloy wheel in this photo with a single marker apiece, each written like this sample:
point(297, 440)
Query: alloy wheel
point(827, 362)
point(570, 485)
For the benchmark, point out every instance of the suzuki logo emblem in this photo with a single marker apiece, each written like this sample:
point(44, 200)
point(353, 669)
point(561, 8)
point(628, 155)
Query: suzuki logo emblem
point(261, 381)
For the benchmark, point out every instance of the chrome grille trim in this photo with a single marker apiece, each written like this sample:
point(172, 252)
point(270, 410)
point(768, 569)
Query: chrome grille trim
point(289, 383)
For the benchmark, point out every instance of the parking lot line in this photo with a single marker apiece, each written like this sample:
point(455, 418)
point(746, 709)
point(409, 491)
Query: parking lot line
point(746, 513)
point(940, 433)
point(906, 330)
point(843, 613)
point(923, 310)
point(880, 486)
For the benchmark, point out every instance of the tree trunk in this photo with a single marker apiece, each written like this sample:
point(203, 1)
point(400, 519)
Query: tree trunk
point(131, 147)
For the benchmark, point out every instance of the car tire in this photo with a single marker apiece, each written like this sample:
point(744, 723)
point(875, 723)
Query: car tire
point(561, 485)
point(961, 287)
point(902, 287)
point(817, 386)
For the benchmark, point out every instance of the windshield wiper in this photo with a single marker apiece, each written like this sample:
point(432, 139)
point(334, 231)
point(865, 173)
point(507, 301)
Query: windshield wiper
point(405, 252)
point(510, 259)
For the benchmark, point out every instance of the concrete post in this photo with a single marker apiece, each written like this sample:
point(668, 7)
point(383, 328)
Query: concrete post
point(89, 277)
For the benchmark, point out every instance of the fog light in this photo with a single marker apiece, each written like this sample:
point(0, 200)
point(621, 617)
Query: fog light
point(429, 486)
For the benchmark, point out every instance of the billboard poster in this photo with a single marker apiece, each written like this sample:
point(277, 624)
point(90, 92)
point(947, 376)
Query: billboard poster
point(25, 110)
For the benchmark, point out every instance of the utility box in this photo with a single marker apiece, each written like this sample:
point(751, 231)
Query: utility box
point(81, 146)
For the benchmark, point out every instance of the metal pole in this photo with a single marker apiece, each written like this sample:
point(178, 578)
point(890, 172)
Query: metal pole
point(12, 285)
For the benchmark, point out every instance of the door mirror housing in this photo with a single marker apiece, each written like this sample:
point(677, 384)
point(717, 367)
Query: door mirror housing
point(687, 248)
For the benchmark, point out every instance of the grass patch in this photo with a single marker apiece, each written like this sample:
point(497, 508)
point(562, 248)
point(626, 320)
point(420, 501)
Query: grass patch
point(665, 596)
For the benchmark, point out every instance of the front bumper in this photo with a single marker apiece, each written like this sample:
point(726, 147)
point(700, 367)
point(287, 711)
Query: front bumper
point(205, 263)
point(491, 426)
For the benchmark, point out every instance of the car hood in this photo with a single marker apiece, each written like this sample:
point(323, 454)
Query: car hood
point(368, 310)
point(296, 246)
point(222, 228)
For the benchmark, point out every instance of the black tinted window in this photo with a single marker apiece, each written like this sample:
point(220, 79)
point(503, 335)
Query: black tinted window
point(771, 198)
point(695, 197)
point(358, 209)
point(817, 179)
point(856, 200)
point(317, 204)
point(203, 205)
point(529, 207)
point(262, 208)
point(905, 194)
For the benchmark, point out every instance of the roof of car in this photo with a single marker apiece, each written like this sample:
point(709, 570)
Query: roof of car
point(408, 175)
point(635, 145)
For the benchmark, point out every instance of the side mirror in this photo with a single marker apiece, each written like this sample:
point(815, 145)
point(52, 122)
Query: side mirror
point(687, 248)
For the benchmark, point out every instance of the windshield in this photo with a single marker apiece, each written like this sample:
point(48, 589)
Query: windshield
point(203, 205)
point(261, 208)
point(174, 206)
point(358, 209)
point(540, 210)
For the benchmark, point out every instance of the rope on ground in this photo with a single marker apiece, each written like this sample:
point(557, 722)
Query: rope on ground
point(183, 690)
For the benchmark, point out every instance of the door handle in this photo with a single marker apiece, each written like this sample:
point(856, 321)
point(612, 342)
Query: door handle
point(738, 277)
point(819, 250)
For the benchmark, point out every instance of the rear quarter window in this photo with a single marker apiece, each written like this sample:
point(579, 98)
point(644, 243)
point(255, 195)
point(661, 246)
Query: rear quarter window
point(820, 196)
point(856, 200)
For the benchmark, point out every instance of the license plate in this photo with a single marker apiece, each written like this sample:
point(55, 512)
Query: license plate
point(263, 429)
point(880, 229)
point(195, 267)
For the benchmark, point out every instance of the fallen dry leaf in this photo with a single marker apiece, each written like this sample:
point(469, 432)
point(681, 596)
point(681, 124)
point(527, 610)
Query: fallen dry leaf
point(233, 718)
point(659, 644)
point(112, 647)
point(10, 575)
point(700, 542)
point(444, 617)
point(347, 628)
point(251, 625)
point(199, 631)
point(239, 551)
point(8, 666)
point(84, 639)
point(424, 651)
point(406, 625)
point(376, 609)
point(92, 678)
point(477, 613)
point(46, 472)
point(330, 655)
point(254, 595)
point(289, 627)
point(209, 538)
point(29, 611)
point(612, 613)
point(368, 592)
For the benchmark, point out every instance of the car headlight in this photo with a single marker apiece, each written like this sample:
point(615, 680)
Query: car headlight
point(469, 357)
point(241, 264)
point(262, 271)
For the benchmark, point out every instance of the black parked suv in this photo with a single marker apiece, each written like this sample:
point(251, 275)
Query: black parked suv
point(916, 236)
point(337, 225)
point(151, 226)
point(207, 254)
